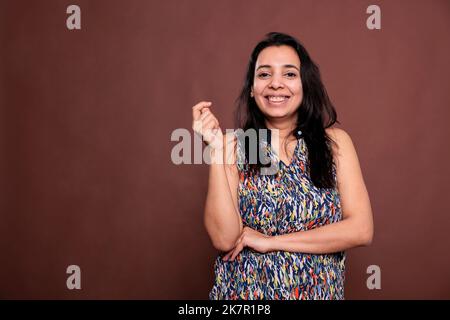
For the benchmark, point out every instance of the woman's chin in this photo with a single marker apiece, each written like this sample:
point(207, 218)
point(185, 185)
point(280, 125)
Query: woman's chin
point(277, 115)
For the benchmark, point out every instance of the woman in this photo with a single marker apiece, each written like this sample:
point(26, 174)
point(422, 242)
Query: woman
point(283, 235)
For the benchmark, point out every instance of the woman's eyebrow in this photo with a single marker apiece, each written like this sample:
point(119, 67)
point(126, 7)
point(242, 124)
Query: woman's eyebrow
point(291, 66)
point(285, 66)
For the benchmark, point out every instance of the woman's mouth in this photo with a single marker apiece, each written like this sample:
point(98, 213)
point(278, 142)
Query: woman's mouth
point(277, 100)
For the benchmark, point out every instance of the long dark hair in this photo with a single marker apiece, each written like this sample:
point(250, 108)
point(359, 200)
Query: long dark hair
point(315, 114)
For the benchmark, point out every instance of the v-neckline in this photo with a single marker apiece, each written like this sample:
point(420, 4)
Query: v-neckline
point(294, 155)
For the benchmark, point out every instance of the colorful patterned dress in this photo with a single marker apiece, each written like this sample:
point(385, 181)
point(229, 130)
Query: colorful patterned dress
point(277, 204)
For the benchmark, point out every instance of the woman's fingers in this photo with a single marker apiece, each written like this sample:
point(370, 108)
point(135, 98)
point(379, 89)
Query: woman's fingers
point(236, 251)
point(225, 258)
point(200, 124)
point(238, 247)
point(197, 109)
point(206, 115)
point(209, 124)
point(202, 118)
point(206, 124)
point(239, 239)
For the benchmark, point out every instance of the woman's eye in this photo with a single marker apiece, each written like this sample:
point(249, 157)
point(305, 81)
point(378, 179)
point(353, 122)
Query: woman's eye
point(291, 74)
point(263, 75)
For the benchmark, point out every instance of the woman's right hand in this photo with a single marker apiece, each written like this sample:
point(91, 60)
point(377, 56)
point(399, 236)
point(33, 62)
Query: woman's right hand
point(206, 124)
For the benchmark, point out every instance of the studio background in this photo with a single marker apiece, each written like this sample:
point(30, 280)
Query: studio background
point(86, 176)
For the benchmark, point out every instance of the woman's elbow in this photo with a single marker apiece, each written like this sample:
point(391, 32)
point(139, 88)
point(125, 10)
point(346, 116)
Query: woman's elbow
point(365, 237)
point(221, 242)
point(224, 246)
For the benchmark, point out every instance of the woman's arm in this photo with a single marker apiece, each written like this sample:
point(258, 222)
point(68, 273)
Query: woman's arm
point(356, 228)
point(221, 216)
point(222, 220)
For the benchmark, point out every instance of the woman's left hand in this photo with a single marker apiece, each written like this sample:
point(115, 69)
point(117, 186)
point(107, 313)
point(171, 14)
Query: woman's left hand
point(252, 239)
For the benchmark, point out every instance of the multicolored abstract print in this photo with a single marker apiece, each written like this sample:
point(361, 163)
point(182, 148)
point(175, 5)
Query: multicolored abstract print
point(277, 204)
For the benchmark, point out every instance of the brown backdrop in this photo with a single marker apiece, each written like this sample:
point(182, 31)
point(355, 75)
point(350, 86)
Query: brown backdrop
point(86, 173)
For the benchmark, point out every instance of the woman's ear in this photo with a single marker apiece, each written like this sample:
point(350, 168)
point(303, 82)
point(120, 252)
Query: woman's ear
point(251, 92)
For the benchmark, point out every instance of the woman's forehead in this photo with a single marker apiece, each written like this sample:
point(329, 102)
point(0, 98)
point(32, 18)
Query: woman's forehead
point(277, 56)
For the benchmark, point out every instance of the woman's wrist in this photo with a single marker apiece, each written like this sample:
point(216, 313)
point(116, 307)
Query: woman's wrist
point(271, 243)
point(216, 154)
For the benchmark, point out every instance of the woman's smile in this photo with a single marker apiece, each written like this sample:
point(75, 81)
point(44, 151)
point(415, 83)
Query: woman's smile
point(277, 100)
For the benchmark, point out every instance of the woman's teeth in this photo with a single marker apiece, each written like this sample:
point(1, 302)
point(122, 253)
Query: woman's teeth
point(277, 98)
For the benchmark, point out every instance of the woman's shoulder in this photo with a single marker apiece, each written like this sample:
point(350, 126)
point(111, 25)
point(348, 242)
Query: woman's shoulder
point(340, 137)
point(337, 133)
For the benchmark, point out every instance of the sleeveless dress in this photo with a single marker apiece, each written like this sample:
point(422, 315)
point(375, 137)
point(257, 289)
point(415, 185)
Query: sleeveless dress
point(275, 204)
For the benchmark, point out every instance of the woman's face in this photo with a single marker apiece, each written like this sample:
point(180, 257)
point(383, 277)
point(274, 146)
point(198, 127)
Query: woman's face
point(277, 87)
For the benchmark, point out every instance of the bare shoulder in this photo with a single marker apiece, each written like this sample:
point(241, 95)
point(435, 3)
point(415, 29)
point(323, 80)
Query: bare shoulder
point(338, 135)
point(343, 141)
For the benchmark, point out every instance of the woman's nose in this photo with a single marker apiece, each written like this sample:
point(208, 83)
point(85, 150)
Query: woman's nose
point(276, 83)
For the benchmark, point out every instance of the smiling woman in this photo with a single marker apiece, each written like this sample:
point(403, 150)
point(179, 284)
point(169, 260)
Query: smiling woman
point(283, 235)
point(284, 94)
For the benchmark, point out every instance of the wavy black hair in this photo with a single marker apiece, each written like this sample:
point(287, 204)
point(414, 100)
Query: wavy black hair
point(314, 115)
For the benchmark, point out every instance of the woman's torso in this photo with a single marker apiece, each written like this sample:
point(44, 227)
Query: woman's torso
point(276, 204)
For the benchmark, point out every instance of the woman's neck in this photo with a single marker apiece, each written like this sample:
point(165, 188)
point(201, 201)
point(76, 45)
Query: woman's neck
point(285, 128)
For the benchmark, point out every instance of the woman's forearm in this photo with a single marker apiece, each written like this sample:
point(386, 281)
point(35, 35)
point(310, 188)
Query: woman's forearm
point(330, 238)
point(222, 220)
